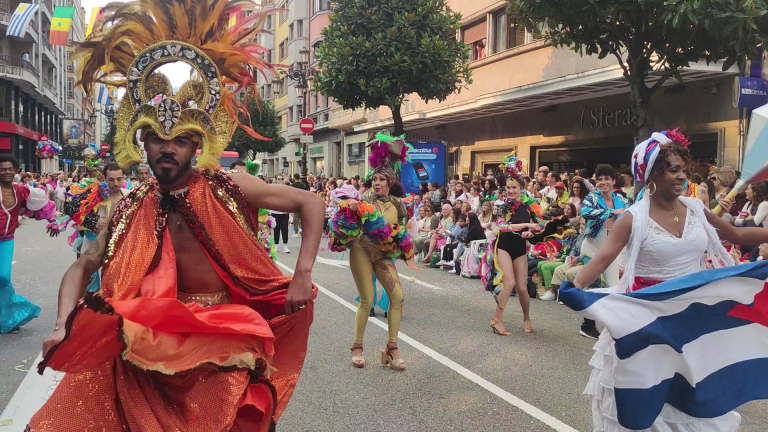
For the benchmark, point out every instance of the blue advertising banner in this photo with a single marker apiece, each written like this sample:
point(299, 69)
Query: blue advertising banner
point(428, 164)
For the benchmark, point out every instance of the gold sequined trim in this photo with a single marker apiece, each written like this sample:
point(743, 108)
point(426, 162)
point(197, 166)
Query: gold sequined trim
point(232, 206)
point(125, 218)
point(205, 300)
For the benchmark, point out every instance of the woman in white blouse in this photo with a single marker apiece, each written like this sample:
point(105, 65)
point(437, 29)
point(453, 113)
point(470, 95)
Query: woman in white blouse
point(756, 208)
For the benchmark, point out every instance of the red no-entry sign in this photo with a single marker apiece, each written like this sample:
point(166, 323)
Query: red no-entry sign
point(306, 125)
point(104, 147)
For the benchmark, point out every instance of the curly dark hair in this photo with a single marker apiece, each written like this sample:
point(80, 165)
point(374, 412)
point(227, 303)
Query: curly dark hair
point(665, 151)
point(760, 191)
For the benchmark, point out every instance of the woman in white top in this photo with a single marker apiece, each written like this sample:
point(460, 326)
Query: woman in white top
point(487, 221)
point(756, 208)
point(667, 236)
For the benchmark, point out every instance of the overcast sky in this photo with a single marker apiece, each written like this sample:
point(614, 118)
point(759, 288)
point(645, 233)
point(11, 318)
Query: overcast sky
point(178, 73)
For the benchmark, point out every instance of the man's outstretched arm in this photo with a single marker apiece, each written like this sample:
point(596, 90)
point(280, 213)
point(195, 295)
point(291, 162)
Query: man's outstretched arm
point(288, 199)
point(73, 286)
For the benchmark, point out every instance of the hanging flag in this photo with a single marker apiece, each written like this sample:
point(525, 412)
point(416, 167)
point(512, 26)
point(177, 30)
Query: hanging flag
point(62, 21)
point(21, 19)
point(95, 15)
point(698, 343)
point(102, 94)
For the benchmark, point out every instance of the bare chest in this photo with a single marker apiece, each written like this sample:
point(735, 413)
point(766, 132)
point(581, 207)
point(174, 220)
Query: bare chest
point(195, 273)
point(9, 198)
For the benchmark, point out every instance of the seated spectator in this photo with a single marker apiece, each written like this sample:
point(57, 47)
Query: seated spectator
point(475, 199)
point(755, 210)
point(437, 237)
point(466, 208)
point(459, 229)
point(427, 224)
point(545, 269)
point(474, 232)
point(573, 215)
point(572, 263)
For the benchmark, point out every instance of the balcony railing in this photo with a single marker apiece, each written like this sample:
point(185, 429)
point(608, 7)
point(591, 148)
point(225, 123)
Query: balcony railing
point(5, 7)
point(47, 85)
point(8, 60)
point(44, 40)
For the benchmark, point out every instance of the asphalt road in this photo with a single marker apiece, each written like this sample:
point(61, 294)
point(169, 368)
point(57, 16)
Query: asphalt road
point(460, 376)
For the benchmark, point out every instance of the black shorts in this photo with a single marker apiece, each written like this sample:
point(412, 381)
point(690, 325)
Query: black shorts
point(512, 244)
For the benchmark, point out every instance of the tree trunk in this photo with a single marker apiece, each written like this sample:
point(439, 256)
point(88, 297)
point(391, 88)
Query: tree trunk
point(398, 119)
point(639, 96)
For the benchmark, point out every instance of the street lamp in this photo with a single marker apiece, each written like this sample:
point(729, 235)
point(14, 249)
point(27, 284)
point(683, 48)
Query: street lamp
point(300, 73)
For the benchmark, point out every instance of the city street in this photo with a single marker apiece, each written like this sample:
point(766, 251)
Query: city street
point(460, 376)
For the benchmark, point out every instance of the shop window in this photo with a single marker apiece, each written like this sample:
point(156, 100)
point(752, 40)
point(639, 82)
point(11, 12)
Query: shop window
point(475, 36)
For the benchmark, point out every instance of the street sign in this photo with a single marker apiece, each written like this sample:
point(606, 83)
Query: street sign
point(307, 139)
point(104, 147)
point(306, 125)
point(285, 164)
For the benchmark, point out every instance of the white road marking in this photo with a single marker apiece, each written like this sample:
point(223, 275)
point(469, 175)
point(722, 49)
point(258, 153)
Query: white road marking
point(345, 265)
point(13, 262)
point(29, 397)
point(524, 406)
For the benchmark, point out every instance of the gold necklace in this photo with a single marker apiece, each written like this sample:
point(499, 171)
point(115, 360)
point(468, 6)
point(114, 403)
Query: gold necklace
point(676, 218)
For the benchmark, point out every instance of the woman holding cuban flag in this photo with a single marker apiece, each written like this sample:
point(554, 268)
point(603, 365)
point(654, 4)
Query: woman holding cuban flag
point(663, 235)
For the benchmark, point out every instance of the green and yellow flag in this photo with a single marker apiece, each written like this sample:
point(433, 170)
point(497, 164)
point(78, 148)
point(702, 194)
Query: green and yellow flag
point(62, 21)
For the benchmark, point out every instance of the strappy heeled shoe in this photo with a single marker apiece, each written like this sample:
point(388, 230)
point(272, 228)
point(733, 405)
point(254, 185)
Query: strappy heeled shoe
point(387, 360)
point(496, 331)
point(527, 327)
point(358, 361)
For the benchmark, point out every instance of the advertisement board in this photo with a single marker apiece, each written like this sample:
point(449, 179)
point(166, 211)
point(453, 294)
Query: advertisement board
point(428, 164)
point(74, 132)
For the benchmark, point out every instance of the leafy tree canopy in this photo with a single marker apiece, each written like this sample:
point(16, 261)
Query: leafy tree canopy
point(375, 52)
point(266, 122)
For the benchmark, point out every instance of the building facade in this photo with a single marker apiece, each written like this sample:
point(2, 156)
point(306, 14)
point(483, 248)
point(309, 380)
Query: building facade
point(33, 85)
point(552, 106)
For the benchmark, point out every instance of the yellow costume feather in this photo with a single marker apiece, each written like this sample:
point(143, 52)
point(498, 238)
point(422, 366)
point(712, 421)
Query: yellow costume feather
point(133, 39)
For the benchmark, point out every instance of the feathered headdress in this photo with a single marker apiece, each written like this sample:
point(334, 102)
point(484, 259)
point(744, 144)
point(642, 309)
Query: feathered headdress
point(513, 167)
point(388, 154)
point(135, 38)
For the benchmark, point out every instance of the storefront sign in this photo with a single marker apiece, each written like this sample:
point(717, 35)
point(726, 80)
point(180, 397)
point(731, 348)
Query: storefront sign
point(412, 137)
point(750, 92)
point(316, 150)
point(602, 117)
point(428, 163)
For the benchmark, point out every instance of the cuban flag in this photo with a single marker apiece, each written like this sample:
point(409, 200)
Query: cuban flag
point(698, 343)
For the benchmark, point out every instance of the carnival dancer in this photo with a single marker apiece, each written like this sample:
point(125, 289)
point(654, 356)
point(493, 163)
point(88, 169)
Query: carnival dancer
point(518, 222)
point(194, 328)
point(373, 227)
point(667, 236)
point(15, 310)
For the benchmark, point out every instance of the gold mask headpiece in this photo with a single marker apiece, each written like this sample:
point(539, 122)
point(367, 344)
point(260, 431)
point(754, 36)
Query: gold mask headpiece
point(123, 52)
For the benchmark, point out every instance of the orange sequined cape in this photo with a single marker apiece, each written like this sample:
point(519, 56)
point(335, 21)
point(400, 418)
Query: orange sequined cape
point(138, 359)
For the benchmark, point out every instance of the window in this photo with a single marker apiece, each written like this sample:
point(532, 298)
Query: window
point(290, 32)
point(270, 55)
point(321, 5)
point(283, 52)
point(4, 111)
point(290, 116)
point(70, 84)
point(507, 32)
point(326, 102)
point(299, 112)
point(268, 22)
point(299, 29)
point(315, 48)
point(283, 15)
point(70, 111)
point(475, 36)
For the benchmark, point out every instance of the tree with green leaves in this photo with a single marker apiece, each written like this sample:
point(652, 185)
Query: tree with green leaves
point(652, 40)
point(265, 122)
point(376, 52)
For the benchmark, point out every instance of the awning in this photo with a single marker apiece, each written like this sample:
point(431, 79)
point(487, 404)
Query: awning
point(476, 32)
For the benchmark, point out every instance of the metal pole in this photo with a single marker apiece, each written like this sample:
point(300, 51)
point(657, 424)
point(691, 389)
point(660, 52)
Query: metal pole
point(304, 147)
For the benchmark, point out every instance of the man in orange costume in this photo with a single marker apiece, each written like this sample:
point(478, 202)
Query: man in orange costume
point(194, 328)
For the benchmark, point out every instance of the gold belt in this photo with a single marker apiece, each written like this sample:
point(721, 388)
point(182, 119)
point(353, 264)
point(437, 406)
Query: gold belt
point(205, 300)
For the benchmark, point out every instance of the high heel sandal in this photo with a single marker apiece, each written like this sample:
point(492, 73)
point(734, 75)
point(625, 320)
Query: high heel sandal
point(358, 361)
point(387, 360)
point(527, 326)
point(494, 323)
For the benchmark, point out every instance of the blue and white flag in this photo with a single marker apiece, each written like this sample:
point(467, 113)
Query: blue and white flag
point(698, 343)
point(102, 94)
point(21, 19)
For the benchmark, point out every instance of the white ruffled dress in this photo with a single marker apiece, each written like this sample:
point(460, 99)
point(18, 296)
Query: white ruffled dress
point(654, 253)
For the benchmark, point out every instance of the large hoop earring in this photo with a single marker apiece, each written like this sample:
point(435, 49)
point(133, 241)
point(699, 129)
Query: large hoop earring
point(651, 192)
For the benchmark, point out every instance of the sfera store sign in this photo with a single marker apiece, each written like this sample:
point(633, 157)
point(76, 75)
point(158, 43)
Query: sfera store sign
point(602, 117)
